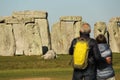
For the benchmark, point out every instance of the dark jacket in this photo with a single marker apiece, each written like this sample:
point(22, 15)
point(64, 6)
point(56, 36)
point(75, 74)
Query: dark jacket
point(93, 56)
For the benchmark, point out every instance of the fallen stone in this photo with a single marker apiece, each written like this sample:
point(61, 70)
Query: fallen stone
point(49, 55)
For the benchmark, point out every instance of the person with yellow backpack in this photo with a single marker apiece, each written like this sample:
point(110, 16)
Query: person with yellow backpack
point(85, 55)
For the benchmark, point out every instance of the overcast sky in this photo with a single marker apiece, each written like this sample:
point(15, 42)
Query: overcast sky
point(90, 10)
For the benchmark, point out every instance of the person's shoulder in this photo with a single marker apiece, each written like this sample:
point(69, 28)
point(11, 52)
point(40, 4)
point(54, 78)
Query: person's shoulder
point(92, 40)
point(75, 39)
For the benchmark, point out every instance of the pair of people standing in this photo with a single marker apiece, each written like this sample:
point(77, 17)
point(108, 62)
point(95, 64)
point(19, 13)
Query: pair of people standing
point(99, 58)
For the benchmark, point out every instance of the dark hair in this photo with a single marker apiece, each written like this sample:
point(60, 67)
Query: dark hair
point(101, 39)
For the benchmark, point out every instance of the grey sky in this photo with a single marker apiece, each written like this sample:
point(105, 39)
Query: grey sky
point(90, 10)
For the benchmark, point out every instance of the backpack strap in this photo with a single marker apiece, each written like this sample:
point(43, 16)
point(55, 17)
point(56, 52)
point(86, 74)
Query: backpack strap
point(81, 39)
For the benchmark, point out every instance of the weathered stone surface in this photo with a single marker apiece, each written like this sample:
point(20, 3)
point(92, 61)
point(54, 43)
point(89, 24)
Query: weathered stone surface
point(56, 39)
point(7, 42)
point(63, 33)
point(100, 28)
point(67, 31)
point(11, 20)
point(28, 20)
point(32, 38)
point(28, 39)
point(2, 19)
point(27, 13)
point(27, 33)
point(49, 55)
point(114, 34)
point(19, 31)
point(44, 33)
point(77, 27)
point(70, 18)
point(30, 32)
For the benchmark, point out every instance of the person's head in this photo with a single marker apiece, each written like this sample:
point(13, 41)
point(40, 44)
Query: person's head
point(101, 39)
point(85, 28)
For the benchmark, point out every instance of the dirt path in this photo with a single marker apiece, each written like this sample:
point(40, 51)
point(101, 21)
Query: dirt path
point(33, 79)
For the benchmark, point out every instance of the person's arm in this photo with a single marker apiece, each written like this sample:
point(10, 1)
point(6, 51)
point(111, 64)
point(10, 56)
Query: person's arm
point(109, 57)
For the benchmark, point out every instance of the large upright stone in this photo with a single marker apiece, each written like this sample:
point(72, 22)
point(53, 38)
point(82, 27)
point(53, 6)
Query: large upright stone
point(44, 33)
point(28, 29)
point(114, 34)
point(99, 28)
point(32, 40)
point(19, 31)
point(67, 31)
point(56, 38)
point(77, 27)
point(7, 41)
point(34, 22)
point(63, 33)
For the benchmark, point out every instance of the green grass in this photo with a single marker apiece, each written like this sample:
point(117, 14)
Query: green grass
point(34, 66)
point(12, 67)
point(33, 62)
point(31, 73)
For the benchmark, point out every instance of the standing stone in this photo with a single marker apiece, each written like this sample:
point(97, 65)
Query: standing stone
point(100, 28)
point(34, 21)
point(24, 33)
point(7, 42)
point(32, 38)
point(114, 34)
point(67, 31)
point(45, 34)
point(63, 33)
point(56, 40)
point(77, 27)
point(19, 31)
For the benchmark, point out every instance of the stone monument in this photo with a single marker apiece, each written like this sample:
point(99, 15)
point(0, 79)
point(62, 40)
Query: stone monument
point(24, 33)
point(114, 34)
point(63, 33)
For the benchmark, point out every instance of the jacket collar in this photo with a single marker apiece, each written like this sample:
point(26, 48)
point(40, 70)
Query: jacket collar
point(86, 35)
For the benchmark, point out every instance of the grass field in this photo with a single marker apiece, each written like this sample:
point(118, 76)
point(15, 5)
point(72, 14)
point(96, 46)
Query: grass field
point(20, 67)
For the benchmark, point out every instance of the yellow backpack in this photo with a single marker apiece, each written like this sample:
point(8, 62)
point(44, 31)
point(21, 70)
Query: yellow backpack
point(80, 55)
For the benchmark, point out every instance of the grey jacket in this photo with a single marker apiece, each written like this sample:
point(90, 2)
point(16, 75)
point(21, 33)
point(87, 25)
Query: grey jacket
point(104, 69)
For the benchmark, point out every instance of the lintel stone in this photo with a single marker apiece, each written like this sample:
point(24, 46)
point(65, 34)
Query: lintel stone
point(70, 18)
